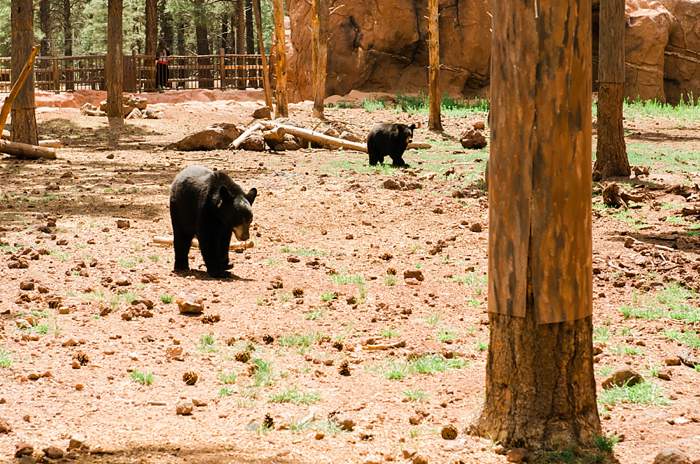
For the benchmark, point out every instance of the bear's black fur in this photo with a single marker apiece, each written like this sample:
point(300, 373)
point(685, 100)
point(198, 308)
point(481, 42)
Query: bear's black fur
point(389, 140)
point(209, 205)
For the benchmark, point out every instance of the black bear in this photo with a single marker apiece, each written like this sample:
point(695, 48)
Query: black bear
point(389, 140)
point(209, 205)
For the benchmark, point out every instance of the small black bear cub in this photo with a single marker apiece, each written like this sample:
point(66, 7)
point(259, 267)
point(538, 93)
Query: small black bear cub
point(209, 205)
point(389, 140)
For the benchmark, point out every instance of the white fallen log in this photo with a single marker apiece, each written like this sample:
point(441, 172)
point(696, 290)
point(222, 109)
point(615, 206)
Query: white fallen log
point(161, 240)
point(247, 133)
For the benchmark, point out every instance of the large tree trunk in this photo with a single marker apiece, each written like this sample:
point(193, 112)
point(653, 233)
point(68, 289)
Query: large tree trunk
point(68, 42)
point(239, 13)
point(114, 72)
point(319, 55)
point(263, 54)
point(434, 120)
point(151, 41)
point(23, 110)
point(249, 31)
point(540, 388)
point(611, 153)
point(166, 26)
point(45, 27)
point(281, 66)
point(202, 36)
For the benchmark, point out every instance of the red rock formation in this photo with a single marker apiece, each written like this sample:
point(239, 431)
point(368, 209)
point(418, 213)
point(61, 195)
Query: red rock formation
point(682, 65)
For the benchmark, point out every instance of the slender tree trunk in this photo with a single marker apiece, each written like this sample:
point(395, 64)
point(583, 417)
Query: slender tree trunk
point(225, 42)
point(68, 42)
point(263, 54)
point(166, 25)
point(319, 53)
point(181, 30)
point(540, 389)
point(114, 71)
point(151, 41)
point(434, 120)
point(24, 128)
point(281, 52)
point(202, 35)
point(249, 31)
point(611, 153)
point(240, 27)
point(45, 26)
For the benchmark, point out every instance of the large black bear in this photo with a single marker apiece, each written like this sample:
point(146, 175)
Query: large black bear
point(389, 140)
point(209, 205)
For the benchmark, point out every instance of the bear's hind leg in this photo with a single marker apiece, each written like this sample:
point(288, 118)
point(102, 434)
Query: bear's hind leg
point(182, 244)
point(210, 246)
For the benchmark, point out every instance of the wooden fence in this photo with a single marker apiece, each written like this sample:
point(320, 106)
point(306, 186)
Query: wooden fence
point(66, 73)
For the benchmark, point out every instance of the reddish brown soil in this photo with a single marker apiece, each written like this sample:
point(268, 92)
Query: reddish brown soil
point(315, 215)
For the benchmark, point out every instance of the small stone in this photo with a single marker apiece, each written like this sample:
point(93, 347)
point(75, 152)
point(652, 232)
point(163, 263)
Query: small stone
point(77, 442)
point(344, 369)
point(449, 432)
point(53, 452)
point(473, 139)
point(184, 409)
point(79, 387)
point(199, 403)
point(373, 459)
point(671, 456)
point(346, 424)
point(122, 282)
point(319, 436)
point(190, 378)
point(110, 156)
point(123, 224)
point(679, 421)
point(189, 307)
point(418, 459)
point(673, 361)
point(4, 427)
point(479, 125)
point(262, 113)
point(517, 455)
point(26, 285)
point(391, 184)
point(414, 274)
point(277, 283)
point(623, 377)
point(476, 227)
point(23, 449)
point(664, 374)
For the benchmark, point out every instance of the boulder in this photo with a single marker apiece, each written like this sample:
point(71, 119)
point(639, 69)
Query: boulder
point(215, 137)
point(671, 456)
point(682, 65)
point(473, 139)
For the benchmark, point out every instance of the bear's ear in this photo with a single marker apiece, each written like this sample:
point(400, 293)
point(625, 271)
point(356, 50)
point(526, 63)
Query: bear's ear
point(250, 196)
point(221, 196)
point(413, 127)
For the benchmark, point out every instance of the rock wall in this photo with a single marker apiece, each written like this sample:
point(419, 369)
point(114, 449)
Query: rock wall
point(380, 46)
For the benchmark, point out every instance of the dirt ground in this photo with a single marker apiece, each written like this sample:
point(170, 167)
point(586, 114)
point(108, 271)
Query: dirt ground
point(92, 319)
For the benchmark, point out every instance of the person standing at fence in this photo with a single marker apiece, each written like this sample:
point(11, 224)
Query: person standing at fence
point(162, 69)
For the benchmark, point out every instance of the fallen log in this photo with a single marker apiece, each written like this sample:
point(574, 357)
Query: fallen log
point(247, 133)
point(419, 146)
point(51, 143)
point(23, 150)
point(274, 135)
point(320, 138)
point(614, 196)
point(234, 246)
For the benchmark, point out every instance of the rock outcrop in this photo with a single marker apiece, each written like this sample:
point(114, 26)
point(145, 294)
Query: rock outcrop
point(682, 65)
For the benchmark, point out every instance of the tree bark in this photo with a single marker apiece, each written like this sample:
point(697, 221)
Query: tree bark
point(166, 26)
point(263, 54)
point(434, 120)
point(24, 128)
point(151, 40)
point(540, 388)
point(319, 52)
point(202, 36)
point(281, 52)
point(114, 72)
point(249, 31)
point(45, 27)
point(68, 41)
point(240, 27)
point(225, 42)
point(611, 152)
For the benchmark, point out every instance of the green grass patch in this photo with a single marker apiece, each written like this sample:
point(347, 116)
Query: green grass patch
point(262, 376)
point(641, 393)
point(346, 279)
point(446, 336)
point(663, 158)
point(389, 333)
point(302, 251)
point(627, 350)
point(671, 302)
point(314, 315)
point(294, 396)
point(167, 299)
point(371, 105)
point(687, 110)
point(601, 334)
point(328, 296)
point(482, 346)
point(5, 359)
point(415, 395)
point(144, 378)
point(425, 365)
point(225, 391)
point(227, 378)
point(298, 340)
point(390, 280)
point(207, 343)
point(433, 320)
point(689, 338)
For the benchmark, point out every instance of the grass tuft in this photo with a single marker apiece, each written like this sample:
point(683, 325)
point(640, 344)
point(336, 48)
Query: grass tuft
point(144, 378)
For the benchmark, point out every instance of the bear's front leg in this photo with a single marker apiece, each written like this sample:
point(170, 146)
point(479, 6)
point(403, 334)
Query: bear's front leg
point(182, 244)
point(210, 246)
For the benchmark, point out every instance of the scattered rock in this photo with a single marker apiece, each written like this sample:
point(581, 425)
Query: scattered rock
point(419, 459)
point(623, 377)
point(517, 455)
point(449, 432)
point(414, 274)
point(344, 369)
point(672, 361)
point(184, 409)
point(53, 452)
point(211, 319)
point(26, 285)
point(277, 283)
point(77, 442)
point(190, 378)
point(23, 449)
point(123, 224)
point(4, 427)
point(255, 142)
point(391, 184)
point(262, 113)
point(189, 307)
point(122, 282)
point(476, 227)
point(664, 374)
point(473, 139)
point(479, 125)
point(671, 456)
point(346, 424)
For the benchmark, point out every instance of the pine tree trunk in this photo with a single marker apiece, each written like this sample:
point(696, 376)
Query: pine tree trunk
point(114, 72)
point(45, 27)
point(281, 65)
point(24, 128)
point(319, 53)
point(249, 31)
point(263, 54)
point(434, 120)
point(540, 388)
point(166, 26)
point(68, 41)
point(240, 27)
point(151, 41)
point(225, 43)
point(202, 37)
point(181, 30)
point(611, 152)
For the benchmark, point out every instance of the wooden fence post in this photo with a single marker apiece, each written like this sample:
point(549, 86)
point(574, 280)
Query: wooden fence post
point(222, 68)
point(56, 75)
